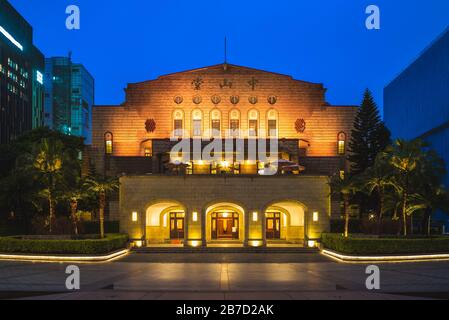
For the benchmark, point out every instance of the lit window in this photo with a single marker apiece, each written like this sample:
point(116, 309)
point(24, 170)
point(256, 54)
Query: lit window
point(216, 123)
point(178, 123)
point(197, 123)
point(341, 143)
point(316, 216)
point(272, 123)
point(109, 144)
point(234, 123)
point(134, 216)
point(148, 153)
point(255, 216)
point(253, 124)
point(195, 217)
point(342, 174)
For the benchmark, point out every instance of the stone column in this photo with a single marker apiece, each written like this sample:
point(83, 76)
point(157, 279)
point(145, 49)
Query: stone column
point(246, 225)
point(264, 229)
point(186, 227)
point(203, 218)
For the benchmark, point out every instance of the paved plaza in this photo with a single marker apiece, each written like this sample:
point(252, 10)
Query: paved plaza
point(224, 277)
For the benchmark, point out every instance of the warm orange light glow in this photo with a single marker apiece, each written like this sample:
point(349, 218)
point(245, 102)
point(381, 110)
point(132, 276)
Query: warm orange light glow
point(255, 216)
point(195, 217)
point(316, 216)
point(134, 216)
point(312, 244)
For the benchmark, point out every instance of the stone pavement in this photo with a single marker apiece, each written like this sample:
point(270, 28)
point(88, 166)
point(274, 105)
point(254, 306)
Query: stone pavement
point(306, 276)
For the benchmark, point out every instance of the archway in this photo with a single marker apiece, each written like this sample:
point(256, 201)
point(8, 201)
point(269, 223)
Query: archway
point(165, 222)
point(225, 221)
point(285, 220)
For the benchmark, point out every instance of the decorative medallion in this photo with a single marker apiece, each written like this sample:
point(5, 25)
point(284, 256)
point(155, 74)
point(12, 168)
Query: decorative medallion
point(235, 100)
point(178, 99)
point(272, 100)
point(216, 99)
point(197, 99)
point(226, 83)
point(150, 125)
point(300, 125)
point(197, 83)
point(253, 83)
point(253, 100)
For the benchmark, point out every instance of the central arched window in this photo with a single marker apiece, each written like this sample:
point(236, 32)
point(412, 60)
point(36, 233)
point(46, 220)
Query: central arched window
point(108, 143)
point(272, 123)
point(178, 123)
point(197, 123)
point(253, 123)
point(234, 123)
point(341, 143)
point(215, 118)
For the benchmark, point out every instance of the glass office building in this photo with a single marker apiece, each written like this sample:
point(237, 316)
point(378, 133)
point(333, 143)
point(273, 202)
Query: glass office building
point(69, 97)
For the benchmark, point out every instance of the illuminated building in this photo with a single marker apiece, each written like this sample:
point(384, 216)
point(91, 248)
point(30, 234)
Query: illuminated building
point(168, 195)
point(21, 76)
point(69, 94)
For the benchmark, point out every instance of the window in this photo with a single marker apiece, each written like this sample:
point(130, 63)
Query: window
point(253, 124)
point(253, 128)
point(234, 124)
point(178, 124)
point(197, 123)
point(216, 123)
point(341, 143)
point(272, 117)
point(109, 144)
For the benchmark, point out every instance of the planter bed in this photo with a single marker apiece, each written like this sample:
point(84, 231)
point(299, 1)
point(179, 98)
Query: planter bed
point(371, 246)
point(24, 245)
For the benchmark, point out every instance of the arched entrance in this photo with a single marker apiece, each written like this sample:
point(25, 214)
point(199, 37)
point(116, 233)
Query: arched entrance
point(165, 223)
point(225, 222)
point(285, 220)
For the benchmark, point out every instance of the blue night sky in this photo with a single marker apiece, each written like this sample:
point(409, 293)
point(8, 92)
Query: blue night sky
point(320, 41)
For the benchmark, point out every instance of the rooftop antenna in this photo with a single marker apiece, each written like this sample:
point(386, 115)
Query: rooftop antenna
point(225, 65)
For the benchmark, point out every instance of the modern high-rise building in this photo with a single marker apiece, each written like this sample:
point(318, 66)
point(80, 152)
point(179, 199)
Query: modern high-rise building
point(21, 76)
point(69, 95)
point(417, 101)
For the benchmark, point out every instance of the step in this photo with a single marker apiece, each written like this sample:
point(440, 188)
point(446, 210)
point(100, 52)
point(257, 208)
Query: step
point(226, 250)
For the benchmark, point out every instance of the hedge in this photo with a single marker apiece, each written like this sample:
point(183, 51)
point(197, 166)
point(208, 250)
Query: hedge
point(111, 243)
point(385, 246)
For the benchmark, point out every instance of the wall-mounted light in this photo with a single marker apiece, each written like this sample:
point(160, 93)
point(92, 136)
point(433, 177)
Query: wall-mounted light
point(134, 216)
point(195, 216)
point(255, 216)
point(138, 243)
point(316, 216)
point(311, 244)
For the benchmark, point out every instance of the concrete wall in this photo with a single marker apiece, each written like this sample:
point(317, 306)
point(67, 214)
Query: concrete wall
point(198, 193)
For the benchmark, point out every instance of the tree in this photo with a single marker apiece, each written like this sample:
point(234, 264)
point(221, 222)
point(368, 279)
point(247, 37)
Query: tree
point(101, 186)
point(47, 159)
point(377, 179)
point(74, 196)
point(416, 168)
point(369, 137)
point(346, 187)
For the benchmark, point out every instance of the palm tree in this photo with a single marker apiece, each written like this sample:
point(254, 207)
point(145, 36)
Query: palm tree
point(101, 186)
point(73, 197)
point(405, 157)
point(346, 187)
point(47, 159)
point(378, 179)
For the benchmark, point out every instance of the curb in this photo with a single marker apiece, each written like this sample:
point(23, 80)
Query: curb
point(56, 258)
point(384, 259)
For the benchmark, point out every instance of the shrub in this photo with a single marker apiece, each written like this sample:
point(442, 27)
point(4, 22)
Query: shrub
point(375, 246)
point(111, 243)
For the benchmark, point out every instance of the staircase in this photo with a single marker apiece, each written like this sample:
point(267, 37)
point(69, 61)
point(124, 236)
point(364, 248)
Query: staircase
point(225, 250)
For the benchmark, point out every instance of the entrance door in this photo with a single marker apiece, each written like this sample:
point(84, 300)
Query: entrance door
point(225, 226)
point(176, 225)
point(273, 226)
